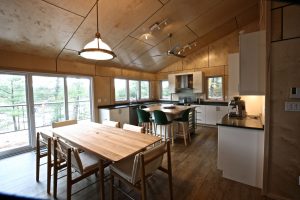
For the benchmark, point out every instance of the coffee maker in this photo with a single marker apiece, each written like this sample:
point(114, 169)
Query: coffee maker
point(237, 108)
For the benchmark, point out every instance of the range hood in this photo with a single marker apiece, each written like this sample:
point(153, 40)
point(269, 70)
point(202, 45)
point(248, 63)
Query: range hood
point(184, 81)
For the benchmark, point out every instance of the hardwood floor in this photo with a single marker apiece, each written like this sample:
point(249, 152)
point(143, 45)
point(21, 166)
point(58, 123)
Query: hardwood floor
point(195, 176)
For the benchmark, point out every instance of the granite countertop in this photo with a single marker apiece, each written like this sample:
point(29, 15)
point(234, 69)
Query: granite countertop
point(137, 104)
point(250, 122)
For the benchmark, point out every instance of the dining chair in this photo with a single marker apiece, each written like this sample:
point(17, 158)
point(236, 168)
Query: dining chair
point(134, 170)
point(184, 122)
point(47, 139)
point(111, 123)
point(145, 120)
point(133, 128)
point(160, 119)
point(64, 123)
point(85, 164)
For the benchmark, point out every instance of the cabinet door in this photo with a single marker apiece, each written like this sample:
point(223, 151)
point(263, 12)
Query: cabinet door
point(234, 75)
point(172, 83)
point(210, 115)
point(197, 82)
point(200, 114)
point(221, 112)
point(252, 63)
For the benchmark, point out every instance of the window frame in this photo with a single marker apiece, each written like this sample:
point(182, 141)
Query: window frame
point(223, 89)
point(30, 103)
point(161, 90)
point(128, 90)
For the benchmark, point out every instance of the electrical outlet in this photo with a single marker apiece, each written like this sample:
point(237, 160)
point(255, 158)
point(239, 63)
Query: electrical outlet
point(292, 106)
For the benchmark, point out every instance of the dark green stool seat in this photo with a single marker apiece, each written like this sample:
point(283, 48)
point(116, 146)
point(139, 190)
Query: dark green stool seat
point(145, 120)
point(184, 122)
point(160, 119)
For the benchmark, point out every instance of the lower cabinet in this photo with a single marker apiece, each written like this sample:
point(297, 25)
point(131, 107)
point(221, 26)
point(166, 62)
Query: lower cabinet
point(210, 114)
point(119, 115)
point(240, 154)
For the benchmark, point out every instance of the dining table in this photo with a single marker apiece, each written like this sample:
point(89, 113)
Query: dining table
point(108, 143)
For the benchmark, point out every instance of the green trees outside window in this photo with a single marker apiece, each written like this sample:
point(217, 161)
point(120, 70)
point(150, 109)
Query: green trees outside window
point(145, 90)
point(215, 88)
point(165, 91)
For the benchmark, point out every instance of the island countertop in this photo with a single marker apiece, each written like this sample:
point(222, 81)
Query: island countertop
point(250, 122)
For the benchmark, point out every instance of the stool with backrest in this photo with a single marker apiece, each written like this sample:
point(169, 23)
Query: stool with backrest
point(144, 118)
point(134, 170)
point(184, 122)
point(160, 119)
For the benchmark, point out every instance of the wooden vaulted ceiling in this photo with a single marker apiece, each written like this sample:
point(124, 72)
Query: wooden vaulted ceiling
point(60, 28)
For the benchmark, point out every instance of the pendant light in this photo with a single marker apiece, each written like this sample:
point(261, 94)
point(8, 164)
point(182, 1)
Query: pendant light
point(97, 49)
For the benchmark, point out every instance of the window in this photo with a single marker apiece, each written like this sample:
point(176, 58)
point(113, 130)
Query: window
point(51, 98)
point(215, 88)
point(165, 91)
point(133, 90)
point(120, 89)
point(145, 91)
point(79, 96)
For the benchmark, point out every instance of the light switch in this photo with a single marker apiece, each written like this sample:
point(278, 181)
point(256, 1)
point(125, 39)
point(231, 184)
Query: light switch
point(292, 106)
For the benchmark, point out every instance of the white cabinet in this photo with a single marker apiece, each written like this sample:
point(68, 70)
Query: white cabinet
point(240, 154)
point(210, 114)
point(197, 82)
point(172, 83)
point(252, 63)
point(119, 115)
point(234, 75)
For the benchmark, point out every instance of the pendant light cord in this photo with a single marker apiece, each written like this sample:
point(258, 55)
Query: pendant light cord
point(97, 18)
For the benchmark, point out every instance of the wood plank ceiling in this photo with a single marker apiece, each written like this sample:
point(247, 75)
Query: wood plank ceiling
point(60, 28)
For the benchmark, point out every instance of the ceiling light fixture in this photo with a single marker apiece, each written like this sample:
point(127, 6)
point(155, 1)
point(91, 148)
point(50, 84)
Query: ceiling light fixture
point(97, 49)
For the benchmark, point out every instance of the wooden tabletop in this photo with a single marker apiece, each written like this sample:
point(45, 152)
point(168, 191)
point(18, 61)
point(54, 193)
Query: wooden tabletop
point(164, 107)
point(110, 143)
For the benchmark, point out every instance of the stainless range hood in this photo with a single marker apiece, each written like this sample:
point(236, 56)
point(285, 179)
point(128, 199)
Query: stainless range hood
point(184, 81)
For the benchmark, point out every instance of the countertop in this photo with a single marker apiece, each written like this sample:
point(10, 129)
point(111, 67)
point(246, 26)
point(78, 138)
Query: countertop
point(250, 122)
point(137, 104)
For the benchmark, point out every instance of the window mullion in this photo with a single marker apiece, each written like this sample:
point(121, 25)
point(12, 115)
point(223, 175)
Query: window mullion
point(66, 99)
point(30, 108)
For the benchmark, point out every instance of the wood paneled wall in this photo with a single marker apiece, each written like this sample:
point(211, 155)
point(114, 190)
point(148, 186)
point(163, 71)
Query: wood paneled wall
point(211, 59)
point(282, 169)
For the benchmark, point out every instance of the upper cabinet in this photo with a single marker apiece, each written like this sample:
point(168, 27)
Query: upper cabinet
point(234, 75)
point(172, 83)
point(252, 63)
point(198, 82)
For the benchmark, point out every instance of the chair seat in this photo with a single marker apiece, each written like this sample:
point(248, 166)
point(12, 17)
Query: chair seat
point(124, 168)
point(169, 122)
point(89, 161)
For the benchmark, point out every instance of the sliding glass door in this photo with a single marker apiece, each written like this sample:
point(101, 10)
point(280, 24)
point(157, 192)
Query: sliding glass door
point(32, 102)
point(14, 132)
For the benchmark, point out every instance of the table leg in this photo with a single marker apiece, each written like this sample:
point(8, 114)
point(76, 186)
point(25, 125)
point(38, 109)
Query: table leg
point(101, 176)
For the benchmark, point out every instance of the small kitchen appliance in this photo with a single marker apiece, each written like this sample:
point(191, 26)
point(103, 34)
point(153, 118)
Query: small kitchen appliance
point(237, 108)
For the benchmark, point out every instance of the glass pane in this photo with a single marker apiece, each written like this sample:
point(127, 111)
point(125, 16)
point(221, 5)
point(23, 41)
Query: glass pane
point(49, 103)
point(165, 93)
point(215, 88)
point(79, 99)
point(145, 90)
point(120, 89)
point(13, 112)
point(133, 90)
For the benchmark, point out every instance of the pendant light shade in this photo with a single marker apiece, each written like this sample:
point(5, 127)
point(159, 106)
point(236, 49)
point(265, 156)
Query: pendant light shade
point(97, 49)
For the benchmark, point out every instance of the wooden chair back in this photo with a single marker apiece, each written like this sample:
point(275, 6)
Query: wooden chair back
point(111, 123)
point(133, 128)
point(64, 123)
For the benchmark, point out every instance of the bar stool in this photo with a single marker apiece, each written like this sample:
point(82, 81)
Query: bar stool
point(184, 122)
point(160, 119)
point(145, 120)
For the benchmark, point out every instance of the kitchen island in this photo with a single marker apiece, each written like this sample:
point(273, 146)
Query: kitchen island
point(240, 149)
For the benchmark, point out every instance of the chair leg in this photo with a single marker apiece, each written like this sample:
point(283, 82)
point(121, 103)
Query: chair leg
point(172, 133)
point(188, 132)
point(170, 171)
point(55, 170)
point(184, 133)
point(38, 155)
point(111, 186)
point(69, 176)
point(49, 163)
